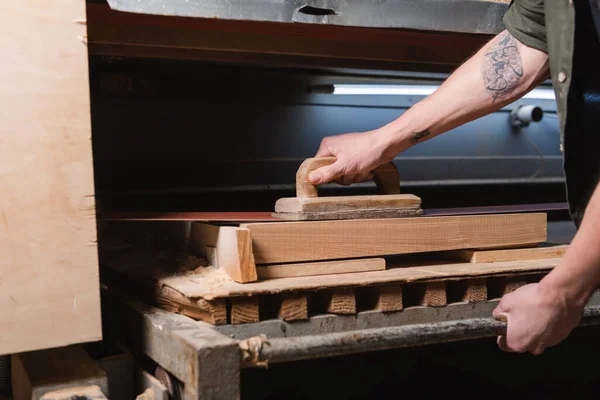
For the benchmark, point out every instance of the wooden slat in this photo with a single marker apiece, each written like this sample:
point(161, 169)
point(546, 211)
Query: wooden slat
point(476, 291)
point(389, 298)
point(531, 253)
point(234, 254)
point(48, 252)
point(212, 283)
point(244, 310)
point(320, 268)
point(294, 306)
point(346, 203)
point(342, 301)
point(281, 242)
point(435, 294)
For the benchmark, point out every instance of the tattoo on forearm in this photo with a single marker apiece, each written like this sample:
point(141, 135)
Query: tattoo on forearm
point(419, 135)
point(502, 67)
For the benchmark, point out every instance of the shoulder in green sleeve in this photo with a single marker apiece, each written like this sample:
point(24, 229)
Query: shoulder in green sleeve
point(525, 20)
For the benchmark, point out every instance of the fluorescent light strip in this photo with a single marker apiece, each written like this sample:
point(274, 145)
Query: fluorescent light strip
point(418, 90)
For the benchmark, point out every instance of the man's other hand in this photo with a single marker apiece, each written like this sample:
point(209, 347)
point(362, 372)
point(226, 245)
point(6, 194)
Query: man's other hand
point(537, 316)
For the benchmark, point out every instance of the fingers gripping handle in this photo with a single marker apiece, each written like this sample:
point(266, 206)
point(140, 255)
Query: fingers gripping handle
point(386, 177)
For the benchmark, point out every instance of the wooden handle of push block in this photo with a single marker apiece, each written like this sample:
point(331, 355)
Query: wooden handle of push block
point(386, 177)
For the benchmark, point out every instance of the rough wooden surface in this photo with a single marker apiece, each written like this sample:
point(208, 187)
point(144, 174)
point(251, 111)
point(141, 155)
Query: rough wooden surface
point(320, 268)
point(281, 242)
point(342, 301)
point(294, 306)
point(244, 310)
point(212, 283)
point(476, 291)
point(347, 203)
point(435, 294)
point(390, 298)
point(213, 311)
point(48, 252)
point(350, 214)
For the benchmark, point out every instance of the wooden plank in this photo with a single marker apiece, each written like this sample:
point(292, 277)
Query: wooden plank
point(435, 294)
point(346, 203)
point(294, 306)
point(510, 254)
point(281, 242)
point(49, 257)
point(320, 268)
point(234, 254)
point(389, 298)
point(476, 291)
point(342, 301)
point(213, 284)
point(350, 214)
point(244, 310)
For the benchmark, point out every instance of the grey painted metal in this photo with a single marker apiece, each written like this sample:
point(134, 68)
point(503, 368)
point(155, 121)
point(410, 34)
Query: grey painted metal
point(329, 323)
point(360, 341)
point(465, 16)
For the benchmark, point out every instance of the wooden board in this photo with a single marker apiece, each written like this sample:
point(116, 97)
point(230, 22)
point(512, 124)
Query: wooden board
point(48, 253)
point(213, 283)
point(350, 214)
point(342, 301)
point(346, 203)
point(244, 310)
point(320, 268)
point(226, 247)
point(281, 242)
point(294, 306)
point(510, 254)
point(390, 298)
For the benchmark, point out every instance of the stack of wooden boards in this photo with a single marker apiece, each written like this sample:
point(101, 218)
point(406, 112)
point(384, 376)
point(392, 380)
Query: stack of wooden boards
point(252, 251)
point(247, 272)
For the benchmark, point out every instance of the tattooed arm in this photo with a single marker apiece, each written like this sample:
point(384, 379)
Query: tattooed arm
point(498, 74)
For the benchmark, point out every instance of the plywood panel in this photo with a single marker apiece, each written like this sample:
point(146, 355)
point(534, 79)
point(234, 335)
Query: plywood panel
point(49, 286)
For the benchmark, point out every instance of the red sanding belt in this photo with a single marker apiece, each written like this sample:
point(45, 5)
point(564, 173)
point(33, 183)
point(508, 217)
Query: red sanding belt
point(266, 215)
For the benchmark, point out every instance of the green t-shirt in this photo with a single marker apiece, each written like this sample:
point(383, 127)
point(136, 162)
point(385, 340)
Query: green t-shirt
point(572, 45)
